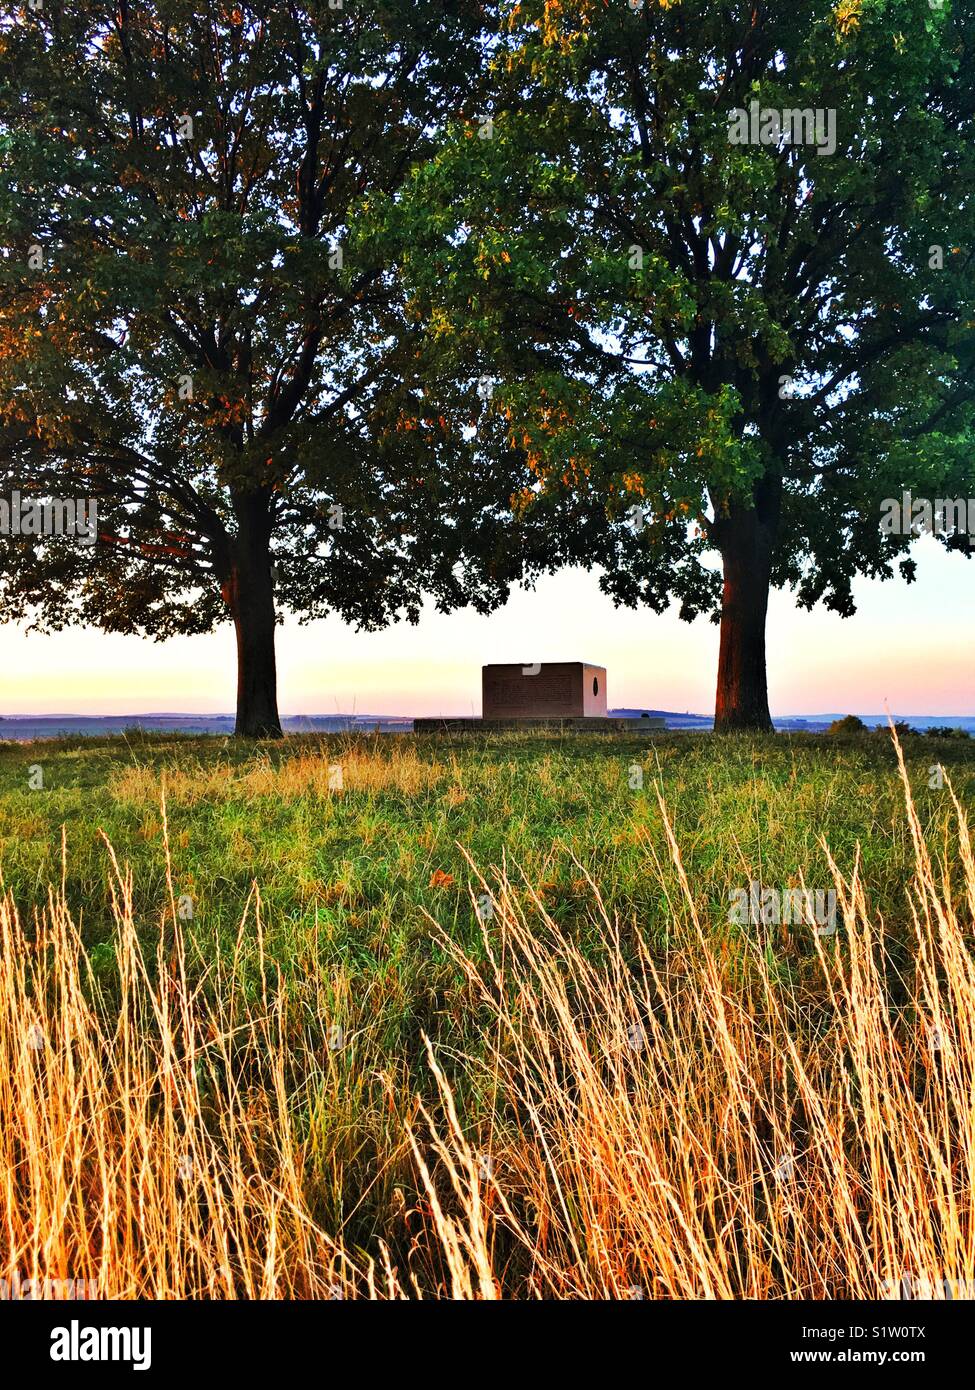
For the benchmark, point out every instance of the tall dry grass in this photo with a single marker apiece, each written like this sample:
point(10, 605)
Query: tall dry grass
point(148, 1146)
point(308, 774)
point(680, 1124)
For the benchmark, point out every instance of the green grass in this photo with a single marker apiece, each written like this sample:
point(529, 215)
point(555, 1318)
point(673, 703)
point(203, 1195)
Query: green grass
point(349, 872)
point(348, 880)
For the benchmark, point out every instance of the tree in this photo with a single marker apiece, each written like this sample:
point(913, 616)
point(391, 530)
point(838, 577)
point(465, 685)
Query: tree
point(201, 330)
point(720, 258)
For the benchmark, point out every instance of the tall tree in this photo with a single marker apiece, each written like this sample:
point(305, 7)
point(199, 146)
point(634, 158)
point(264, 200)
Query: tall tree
point(720, 257)
point(200, 329)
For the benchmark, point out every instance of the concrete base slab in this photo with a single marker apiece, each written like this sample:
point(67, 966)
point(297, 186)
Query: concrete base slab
point(576, 725)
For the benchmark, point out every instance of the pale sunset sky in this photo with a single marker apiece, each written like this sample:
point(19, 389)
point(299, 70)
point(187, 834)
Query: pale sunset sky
point(909, 647)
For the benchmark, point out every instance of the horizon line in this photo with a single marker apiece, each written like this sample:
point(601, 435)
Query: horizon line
point(342, 714)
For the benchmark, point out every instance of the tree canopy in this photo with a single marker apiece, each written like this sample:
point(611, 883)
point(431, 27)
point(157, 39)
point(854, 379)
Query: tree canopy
point(201, 328)
point(720, 259)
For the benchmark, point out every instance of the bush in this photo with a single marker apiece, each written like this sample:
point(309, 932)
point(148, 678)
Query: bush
point(945, 731)
point(849, 724)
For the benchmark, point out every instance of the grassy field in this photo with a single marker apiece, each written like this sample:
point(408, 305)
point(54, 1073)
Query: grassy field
point(405, 1017)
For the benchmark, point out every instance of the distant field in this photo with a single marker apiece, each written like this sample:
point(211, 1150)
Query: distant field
point(28, 728)
point(361, 869)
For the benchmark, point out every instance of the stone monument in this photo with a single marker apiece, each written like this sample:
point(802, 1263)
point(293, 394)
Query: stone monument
point(567, 696)
point(544, 690)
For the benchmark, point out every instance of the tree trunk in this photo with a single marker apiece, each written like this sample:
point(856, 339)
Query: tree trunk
point(250, 594)
point(746, 537)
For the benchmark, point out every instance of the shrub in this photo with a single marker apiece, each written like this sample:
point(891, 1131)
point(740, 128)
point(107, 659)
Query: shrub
point(849, 724)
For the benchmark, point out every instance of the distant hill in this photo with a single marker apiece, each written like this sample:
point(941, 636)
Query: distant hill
point(676, 720)
point(26, 727)
point(808, 723)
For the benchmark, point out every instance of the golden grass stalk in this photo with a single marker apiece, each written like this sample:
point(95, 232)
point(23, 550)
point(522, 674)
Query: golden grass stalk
point(685, 1122)
point(671, 1126)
